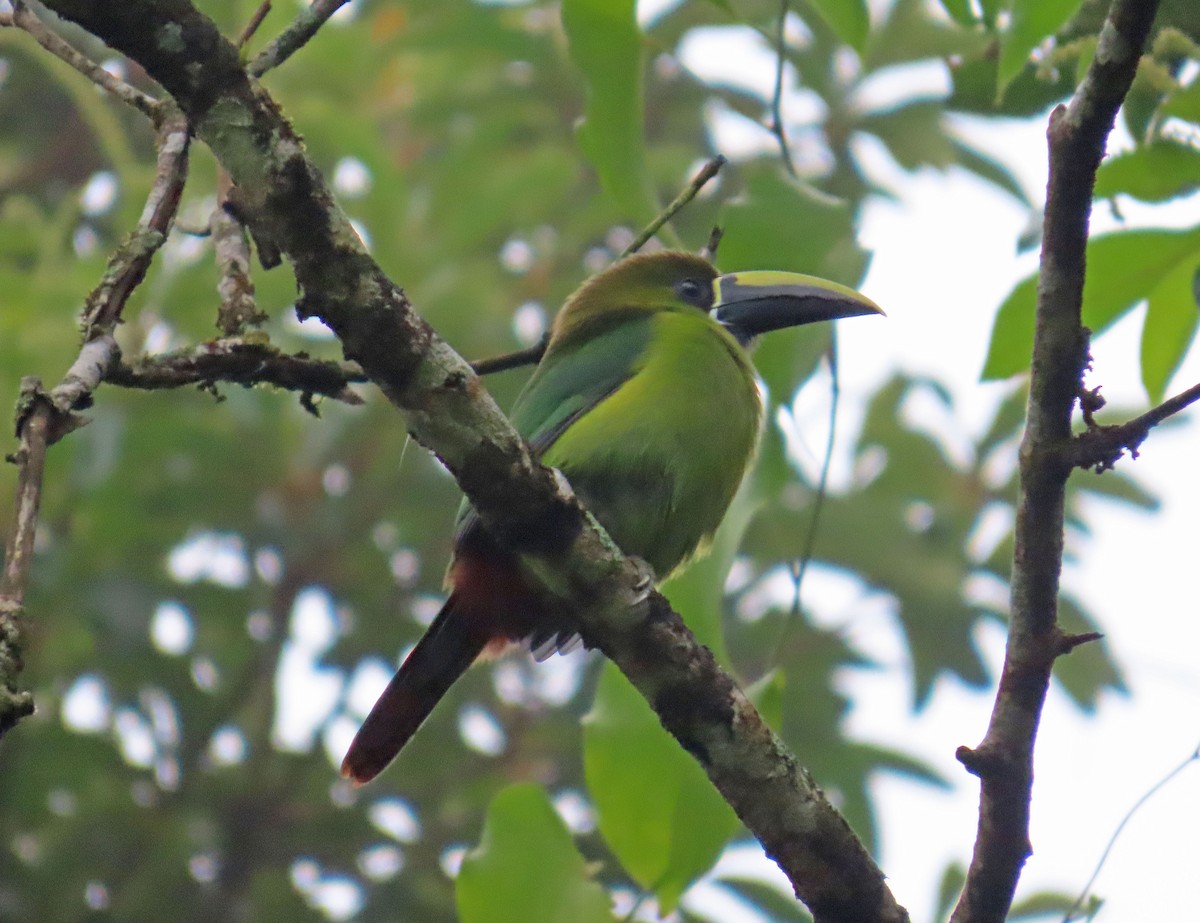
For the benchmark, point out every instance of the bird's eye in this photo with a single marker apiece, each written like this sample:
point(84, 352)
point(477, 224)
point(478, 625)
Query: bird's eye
point(694, 292)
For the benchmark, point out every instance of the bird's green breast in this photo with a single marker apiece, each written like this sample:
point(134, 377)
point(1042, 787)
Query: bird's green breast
point(659, 458)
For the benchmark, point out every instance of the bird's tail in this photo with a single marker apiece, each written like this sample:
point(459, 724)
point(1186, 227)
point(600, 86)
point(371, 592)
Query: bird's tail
point(452, 643)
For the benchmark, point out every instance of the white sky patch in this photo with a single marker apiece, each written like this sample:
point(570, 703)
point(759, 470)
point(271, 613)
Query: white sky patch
point(218, 557)
point(366, 684)
point(228, 746)
point(135, 737)
point(576, 811)
point(529, 323)
point(311, 328)
point(396, 818)
point(516, 256)
point(481, 731)
point(351, 178)
point(99, 193)
point(306, 693)
point(171, 628)
point(451, 860)
point(86, 706)
point(379, 863)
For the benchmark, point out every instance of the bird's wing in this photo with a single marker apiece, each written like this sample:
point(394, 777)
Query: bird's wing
point(567, 384)
point(571, 380)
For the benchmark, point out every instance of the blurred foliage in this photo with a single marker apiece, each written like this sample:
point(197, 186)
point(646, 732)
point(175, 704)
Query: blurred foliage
point(223, 584)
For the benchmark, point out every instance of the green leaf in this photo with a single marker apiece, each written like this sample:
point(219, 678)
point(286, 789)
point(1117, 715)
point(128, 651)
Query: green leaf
point(1170, 326)
point(655, 807)
point(1153, 173)
point(960, 11)
point(1011, 345)
point(526, 867)
point(778, 906)
point(1123, 269)
point(1032, 21)
point(949, 888)
point(1088, 670)
point(914, 133)
point(606, 45)
point(1183, 104)
point(849, 19)
point(989, 168)
point(767, 695)
point(1041, 905)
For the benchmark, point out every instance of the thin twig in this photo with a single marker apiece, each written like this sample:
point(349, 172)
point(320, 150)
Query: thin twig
point(533, 354)
point(1099, 447)
point(709, 250)
point(707, 172)
point(22, 17)
point(127, 267)
point(1150, 793)
point(777, 127)
point(255, 21)
point(295, 36)
point(1003, 761)
point(45, 417)
point(528, 356)
point(800, 567)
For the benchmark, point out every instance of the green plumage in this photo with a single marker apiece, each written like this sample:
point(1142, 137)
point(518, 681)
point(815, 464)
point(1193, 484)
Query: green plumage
point(647, 401)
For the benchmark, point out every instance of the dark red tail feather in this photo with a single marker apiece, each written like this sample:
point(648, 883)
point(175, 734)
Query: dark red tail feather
point(451, 644)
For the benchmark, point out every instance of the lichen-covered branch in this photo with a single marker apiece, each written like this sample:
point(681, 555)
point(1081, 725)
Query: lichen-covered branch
point(286, 202)
point(1004, 760)
point(24, 18)
point(295, 36)
point(45, 417)
point(238, 361)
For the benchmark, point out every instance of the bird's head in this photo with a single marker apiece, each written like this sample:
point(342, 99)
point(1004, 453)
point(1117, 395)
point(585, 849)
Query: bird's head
point(745, 303)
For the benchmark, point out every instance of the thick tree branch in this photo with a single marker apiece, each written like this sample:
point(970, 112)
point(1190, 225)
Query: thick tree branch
point(1004, 760)
point(525, 505)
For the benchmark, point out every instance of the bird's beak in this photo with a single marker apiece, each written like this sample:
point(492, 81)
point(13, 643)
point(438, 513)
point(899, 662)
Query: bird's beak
point(751, 303)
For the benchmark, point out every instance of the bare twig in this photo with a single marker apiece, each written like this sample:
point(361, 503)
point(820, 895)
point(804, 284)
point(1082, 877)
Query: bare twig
point(709, 250)
point(42, 419)
point(1146, 796)
point(240, 362)
point(777, 127)
point(533, 354)
point(45, 417)
point(25, 19)
point(529, 356)
point(1004, 760)
point(707, 172)
point(1099, 447)
point(127, 267)
point(800, 566)
point(255, 21)
point(295, 36)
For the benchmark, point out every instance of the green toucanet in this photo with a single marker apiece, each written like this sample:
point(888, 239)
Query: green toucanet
point(646, 400)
